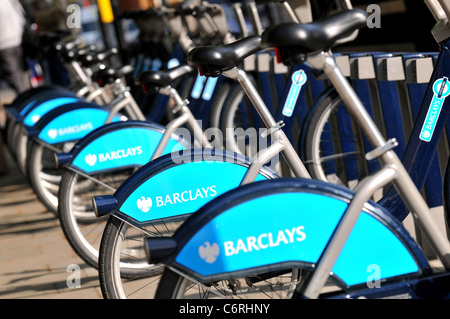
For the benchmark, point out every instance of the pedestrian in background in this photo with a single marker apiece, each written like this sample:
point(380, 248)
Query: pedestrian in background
point(12, 23)
point(51, 16)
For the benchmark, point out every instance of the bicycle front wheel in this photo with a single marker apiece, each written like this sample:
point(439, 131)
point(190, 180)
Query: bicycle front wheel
point(276, 285)
point(124, 272)
point(82, 229)
point(43, 175)
point(334, 147)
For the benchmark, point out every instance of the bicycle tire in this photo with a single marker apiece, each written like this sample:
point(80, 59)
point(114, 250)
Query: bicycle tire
point(82, 229)
point(44, 178)
point(327, 138)
point(112, 271)
point(173, 286)
point(20, 148)
point(237, 114)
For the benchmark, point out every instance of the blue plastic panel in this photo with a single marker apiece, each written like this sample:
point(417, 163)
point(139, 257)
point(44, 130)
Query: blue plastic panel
point(73, 125)
point(182, 189)
point(40, 110)
point(293, 227)
point(126, 147)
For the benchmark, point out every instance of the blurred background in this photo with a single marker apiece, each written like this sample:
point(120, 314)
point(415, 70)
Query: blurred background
point(403, 26)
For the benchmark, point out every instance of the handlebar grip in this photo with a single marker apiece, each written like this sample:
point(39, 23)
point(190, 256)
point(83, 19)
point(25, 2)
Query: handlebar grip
point(59, 46)
point(106, 54)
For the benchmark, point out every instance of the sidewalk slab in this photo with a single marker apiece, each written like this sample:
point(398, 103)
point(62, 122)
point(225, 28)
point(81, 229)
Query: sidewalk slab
point(36, 261)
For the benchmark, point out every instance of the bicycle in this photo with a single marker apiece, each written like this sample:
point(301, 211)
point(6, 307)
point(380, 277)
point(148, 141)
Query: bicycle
point(32, 106)
point(83, 177)
point(43, 177)
point(288, 101)
point(341, 233)
point(163, 169)
point(103, 159)
point(195, 166)
point(57, 130)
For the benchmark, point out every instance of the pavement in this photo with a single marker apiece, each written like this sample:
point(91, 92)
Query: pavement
point(36, 261)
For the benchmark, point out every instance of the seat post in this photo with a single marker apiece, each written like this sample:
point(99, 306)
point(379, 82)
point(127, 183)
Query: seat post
point(286, 148)
point(252, 93)
point(326, 62)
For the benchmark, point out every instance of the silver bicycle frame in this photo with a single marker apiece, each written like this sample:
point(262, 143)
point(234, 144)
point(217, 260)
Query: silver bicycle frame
point(392, 171)
point(281, 143)
point(124, 100)
point(185, 117)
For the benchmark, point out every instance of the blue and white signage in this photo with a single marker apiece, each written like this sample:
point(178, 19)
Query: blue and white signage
point(289, 227)
point(73, 125)
point(298, 80)
point(133, 146)
point(182, 189)
point(209, 88)
point(35, 114)
point(441, 89)
point(198, 86)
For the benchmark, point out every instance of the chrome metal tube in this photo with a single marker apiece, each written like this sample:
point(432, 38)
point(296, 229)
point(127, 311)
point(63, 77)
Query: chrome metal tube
point(133, 108)
point(289, 152)
point(445, 5)
point(170, 129)
point(253, 94)
point(327, 63)
point(290, 12)
point(419, 209)
point(435, 9)
point(259, 160)
point(364, 191)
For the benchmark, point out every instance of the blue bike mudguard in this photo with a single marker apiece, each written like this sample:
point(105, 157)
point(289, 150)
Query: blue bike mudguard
point(31, 116)
point(18, 110)
point(177, 184)
point(286, 223)
point(119, 145)
point(70, 122)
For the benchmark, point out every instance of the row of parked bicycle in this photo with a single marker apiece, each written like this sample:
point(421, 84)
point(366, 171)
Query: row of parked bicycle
point(193, 195)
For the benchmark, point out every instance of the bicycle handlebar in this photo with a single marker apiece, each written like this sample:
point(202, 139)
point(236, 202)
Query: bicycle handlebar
point(93, 58)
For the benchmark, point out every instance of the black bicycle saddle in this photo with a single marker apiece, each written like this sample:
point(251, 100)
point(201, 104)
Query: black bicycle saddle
point(213, 60)
point(152, 80)
point(296, 40)
point(109, 75)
